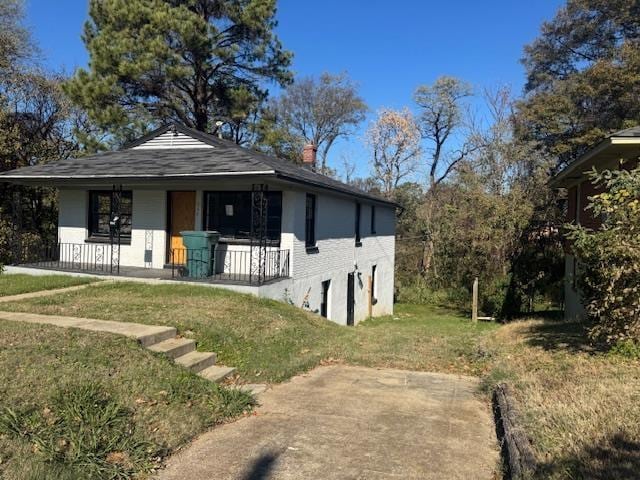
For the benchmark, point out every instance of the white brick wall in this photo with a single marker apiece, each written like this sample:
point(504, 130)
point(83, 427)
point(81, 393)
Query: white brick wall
point(337, 253)
point(149, 214)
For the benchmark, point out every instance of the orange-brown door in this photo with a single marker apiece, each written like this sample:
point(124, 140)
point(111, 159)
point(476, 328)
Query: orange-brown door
point(182, 215)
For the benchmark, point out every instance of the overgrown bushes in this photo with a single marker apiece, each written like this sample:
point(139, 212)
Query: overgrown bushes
point(609, 258)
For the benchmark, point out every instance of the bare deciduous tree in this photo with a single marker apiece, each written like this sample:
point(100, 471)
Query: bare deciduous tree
point(394, 139)
point(442, 116)
point(318, 111)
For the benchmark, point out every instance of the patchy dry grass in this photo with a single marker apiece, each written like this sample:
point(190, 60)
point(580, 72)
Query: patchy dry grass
point(14, 284)
point(271, 341)
point(76, 404)
point(580, 407)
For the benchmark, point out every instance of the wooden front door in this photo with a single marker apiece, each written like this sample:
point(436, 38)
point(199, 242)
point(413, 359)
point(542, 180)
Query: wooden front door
point(182, 216)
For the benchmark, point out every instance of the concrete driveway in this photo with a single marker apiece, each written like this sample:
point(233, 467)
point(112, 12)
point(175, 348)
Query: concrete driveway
point(352, 423)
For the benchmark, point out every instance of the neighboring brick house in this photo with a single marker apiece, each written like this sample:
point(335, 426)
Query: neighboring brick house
point(618, 150)
point(285, 231)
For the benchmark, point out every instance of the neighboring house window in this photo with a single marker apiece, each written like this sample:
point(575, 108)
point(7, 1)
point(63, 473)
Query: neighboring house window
point(230, 214)
point(373, 219)
point(310, 221)
point(357, 226)
point(102, 210)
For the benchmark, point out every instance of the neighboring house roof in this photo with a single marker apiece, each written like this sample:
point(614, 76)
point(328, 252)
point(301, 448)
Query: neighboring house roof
point(628, 132)
point(624, 144)
point(180, 162)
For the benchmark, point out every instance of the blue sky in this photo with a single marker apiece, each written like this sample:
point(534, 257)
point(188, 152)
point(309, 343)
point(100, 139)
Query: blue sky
point(388, 48)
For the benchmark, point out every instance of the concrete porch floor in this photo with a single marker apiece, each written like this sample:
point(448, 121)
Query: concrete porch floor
point(149, 274)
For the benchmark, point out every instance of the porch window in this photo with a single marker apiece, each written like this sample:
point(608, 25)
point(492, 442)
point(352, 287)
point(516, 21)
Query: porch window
point(101, 211)
point(230, 214)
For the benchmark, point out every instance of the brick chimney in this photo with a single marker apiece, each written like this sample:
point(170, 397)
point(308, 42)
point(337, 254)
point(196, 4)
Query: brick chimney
point(309, 155)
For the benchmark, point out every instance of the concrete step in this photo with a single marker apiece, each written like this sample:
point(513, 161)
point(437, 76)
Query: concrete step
point(216, 373)
point(160, 335)
point(174, 347)
point(253, 388)
point(196, 361)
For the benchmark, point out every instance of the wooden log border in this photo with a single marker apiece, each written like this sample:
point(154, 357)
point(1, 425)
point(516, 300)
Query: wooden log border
point(517, 454)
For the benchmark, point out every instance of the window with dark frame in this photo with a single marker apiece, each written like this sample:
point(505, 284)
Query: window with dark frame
point(324, 305)
point(357, 225)
point(230, 214)
point(101, 212)
point(374, 269)
point(310, 221)
point(373, 219)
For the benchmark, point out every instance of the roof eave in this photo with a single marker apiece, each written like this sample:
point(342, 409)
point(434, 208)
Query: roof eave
point(322, 186)
point(569, 172)
point(573, 171)
point(34, 179)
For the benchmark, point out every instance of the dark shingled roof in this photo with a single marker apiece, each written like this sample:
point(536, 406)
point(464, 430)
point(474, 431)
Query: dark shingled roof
point(225, 158)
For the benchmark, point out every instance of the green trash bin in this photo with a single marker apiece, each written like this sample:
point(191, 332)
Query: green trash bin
point(200, 247)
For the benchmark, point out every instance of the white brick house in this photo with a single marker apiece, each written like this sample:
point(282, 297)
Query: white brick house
point(286, 232)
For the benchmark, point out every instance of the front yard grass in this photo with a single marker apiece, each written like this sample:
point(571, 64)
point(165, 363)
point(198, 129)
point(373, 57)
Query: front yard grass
point(14, 284)
point(77, 404)
point(270, 341)
point(579, 406)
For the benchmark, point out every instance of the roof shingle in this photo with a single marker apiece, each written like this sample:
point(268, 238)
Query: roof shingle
point(225, 158)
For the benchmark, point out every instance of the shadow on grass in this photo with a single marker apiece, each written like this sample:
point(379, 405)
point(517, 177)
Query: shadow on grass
point(261, 468)
point(615, 458)
point(561, 336)
point(554, 315)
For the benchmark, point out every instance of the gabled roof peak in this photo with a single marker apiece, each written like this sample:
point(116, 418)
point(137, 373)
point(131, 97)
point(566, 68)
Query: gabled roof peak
point(165, 134)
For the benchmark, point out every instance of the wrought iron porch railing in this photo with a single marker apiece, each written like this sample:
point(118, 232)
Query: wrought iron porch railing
point(91, 257)
point(252, 267)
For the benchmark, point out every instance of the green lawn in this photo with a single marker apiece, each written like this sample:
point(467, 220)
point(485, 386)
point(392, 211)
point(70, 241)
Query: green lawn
point(76, 404)
point(271, 341)
point(14, 284)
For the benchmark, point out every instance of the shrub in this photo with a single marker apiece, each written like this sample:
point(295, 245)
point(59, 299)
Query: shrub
point(627, 349)
point(609, 258)
point(419, 292)
point(492, 297)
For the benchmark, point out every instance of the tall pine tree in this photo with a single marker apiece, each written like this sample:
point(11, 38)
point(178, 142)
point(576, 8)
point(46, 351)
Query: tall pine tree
point(186, 60)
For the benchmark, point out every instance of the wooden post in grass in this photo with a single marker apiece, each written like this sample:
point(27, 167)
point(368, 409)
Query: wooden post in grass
point(474, 305)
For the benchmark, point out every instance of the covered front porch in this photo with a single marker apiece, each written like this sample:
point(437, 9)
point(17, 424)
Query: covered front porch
point(224, 265)
point(137, 231)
